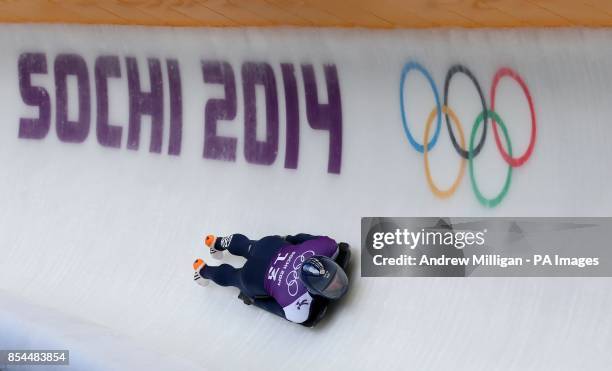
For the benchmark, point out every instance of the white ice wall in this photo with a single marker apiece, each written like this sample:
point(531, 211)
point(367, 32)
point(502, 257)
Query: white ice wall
point(107, 236)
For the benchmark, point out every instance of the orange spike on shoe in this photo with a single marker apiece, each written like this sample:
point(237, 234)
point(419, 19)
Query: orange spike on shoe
point(198, 264)
point(210, 240)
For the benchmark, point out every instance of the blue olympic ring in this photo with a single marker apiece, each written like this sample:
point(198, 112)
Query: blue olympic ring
point(416, 66)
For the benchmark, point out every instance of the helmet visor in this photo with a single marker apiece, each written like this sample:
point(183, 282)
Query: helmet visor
point(324, 277)
point(337, 287)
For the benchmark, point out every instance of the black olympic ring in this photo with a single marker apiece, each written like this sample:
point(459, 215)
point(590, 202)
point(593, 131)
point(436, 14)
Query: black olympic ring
point(459, 68)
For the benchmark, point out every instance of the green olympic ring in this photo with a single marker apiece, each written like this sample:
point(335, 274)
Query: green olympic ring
point(492, 202)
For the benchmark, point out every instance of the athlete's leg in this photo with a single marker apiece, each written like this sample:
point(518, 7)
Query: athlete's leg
point(223, 275)
point(236, 244)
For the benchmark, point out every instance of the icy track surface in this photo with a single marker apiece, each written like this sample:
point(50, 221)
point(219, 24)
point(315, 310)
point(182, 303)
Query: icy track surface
point(96, 243)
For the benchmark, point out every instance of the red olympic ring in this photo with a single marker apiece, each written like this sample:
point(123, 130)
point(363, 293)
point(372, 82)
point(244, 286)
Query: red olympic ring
point(514, 161)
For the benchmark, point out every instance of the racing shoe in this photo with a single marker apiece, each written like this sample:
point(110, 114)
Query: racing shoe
point(198, 264)
point(210, 242)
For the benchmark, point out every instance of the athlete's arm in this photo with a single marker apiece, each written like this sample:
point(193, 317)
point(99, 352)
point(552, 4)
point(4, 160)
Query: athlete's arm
point(270, 305)
point(299, 310)
point(299, 238)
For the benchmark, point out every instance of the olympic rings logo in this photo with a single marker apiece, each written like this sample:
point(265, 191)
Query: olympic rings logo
point(472, 151)
point(292, 278)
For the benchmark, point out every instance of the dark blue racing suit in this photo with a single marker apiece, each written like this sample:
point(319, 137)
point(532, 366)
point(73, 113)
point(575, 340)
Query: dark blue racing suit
point(271, 273)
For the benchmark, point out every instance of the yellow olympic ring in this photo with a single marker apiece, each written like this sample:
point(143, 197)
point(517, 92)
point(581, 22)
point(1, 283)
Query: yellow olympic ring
point(434, 189)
